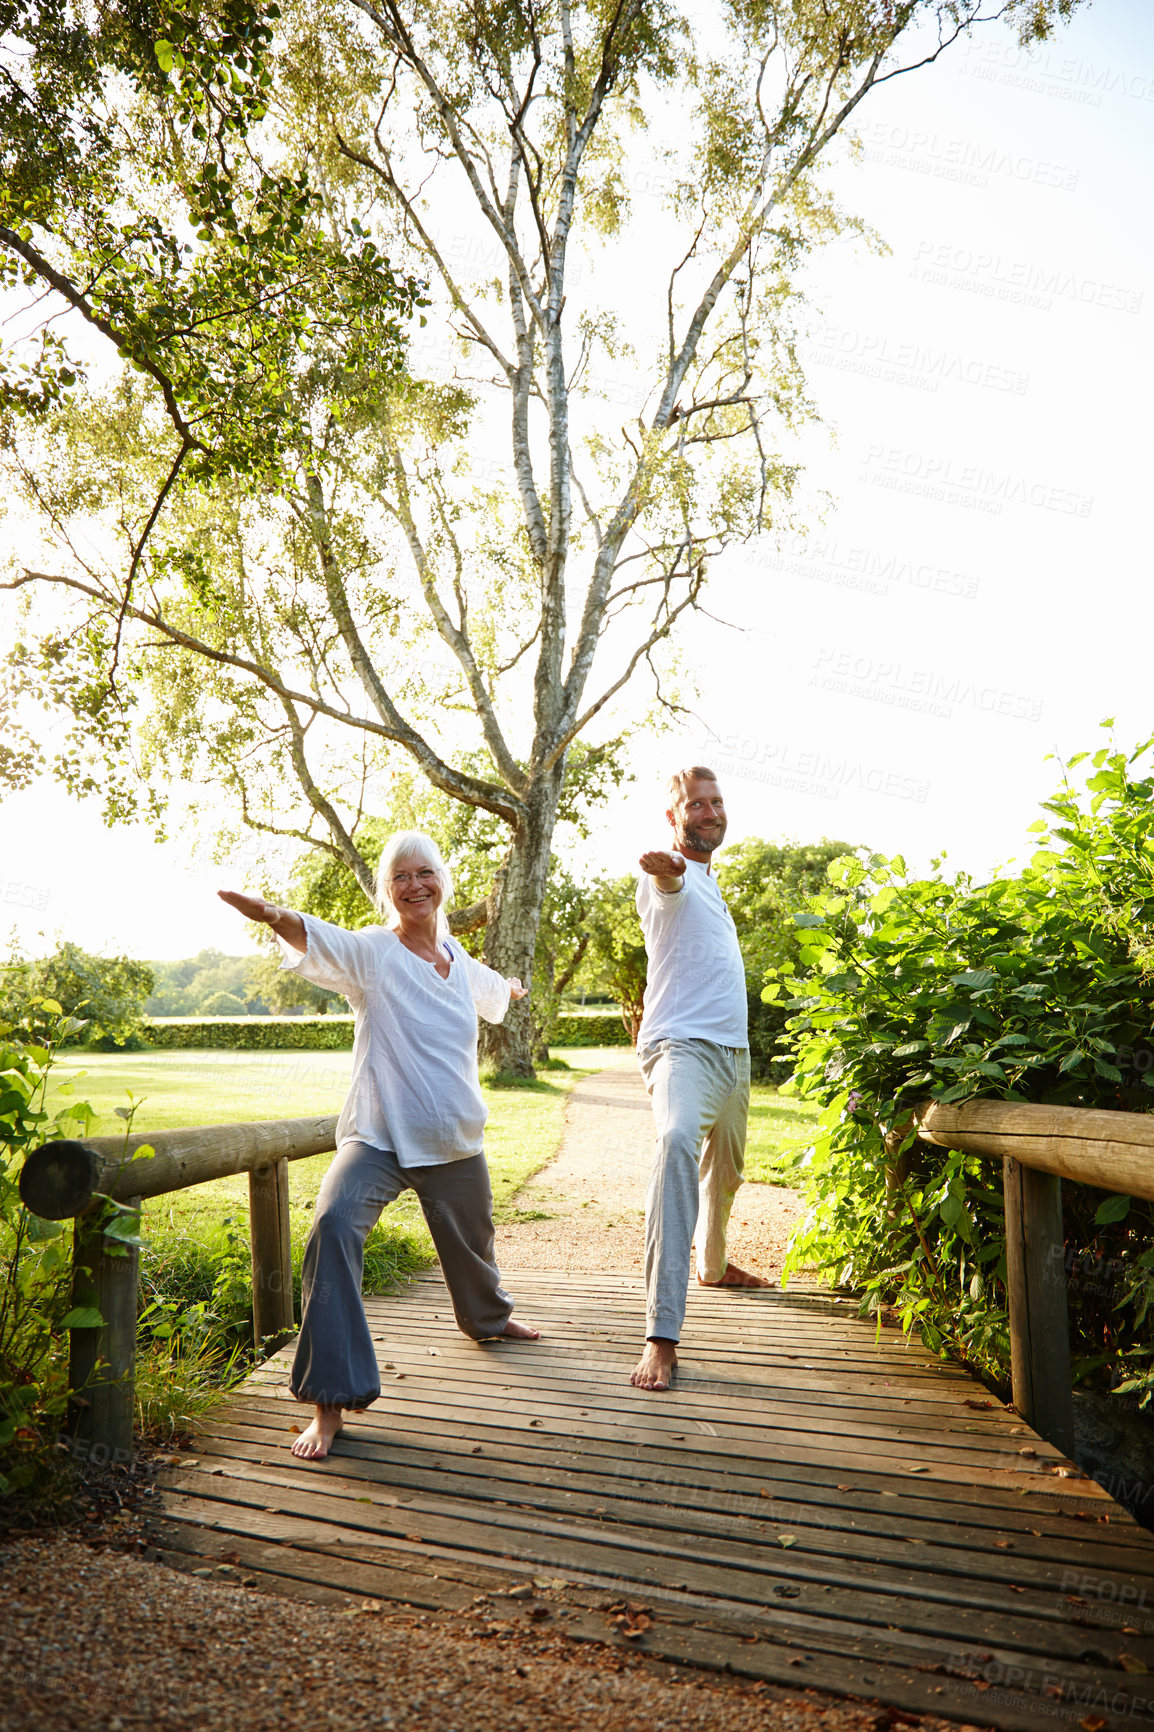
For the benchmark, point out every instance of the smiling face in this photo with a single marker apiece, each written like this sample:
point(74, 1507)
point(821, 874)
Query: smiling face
point(698, 819)
point(416, 894)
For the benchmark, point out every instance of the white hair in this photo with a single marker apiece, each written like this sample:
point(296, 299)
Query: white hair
point(412, 845)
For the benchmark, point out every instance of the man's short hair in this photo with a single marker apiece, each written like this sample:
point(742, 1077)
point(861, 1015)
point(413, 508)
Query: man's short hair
point(680, 780)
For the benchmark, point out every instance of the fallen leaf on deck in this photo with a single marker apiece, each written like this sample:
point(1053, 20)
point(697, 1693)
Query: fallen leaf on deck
point(787, 1539)
point(1131, 1663)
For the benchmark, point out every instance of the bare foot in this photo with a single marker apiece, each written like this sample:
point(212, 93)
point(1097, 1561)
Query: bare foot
point(735, 1277)
point(521, 1331)
point(316, 1439)
point(654, 1370)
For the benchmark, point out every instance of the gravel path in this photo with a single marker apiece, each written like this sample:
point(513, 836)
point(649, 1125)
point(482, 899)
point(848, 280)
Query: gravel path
point(98, 1641)
point(593, 1191)
point(93, 1638)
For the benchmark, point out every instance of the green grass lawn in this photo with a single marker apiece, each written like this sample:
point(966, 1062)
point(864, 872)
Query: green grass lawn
point(777, 1125)
point(173, 1089)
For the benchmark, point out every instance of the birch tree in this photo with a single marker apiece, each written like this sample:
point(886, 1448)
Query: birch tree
point(294, 560)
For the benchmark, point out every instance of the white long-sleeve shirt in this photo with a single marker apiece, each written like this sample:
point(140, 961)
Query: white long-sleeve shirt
point(415, 1088)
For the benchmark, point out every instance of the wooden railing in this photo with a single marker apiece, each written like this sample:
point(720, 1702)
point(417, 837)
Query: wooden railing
point(1039, 1146)
point(77, 1179)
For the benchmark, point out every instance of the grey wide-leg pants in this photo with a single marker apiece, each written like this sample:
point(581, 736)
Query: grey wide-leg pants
point(700, 1096)
point(334, 1363)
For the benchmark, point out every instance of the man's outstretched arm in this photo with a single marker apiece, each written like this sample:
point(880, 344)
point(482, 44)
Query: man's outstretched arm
point(283, 921)
point(666, 870)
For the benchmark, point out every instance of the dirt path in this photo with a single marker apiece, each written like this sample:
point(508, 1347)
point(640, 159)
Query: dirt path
point(593, 1191)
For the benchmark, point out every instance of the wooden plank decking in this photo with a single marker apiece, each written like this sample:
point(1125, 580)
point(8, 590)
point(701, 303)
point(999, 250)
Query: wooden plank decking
point(807, 1505)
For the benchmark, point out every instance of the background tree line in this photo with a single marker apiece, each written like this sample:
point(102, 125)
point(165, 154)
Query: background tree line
point(589, 945)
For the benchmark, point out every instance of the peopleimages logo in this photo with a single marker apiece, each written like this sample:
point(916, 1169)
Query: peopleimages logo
point(807, 772)
point(1054, 74)
point(1022, 282)
point(823, 559)
point(971, 485)
point(875, 355)
point(926, 690)
point(960, 159)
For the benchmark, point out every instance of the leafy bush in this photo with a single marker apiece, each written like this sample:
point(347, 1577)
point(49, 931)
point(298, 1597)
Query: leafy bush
point(102, 997)
point(1037, 986)
point(35, 1264)
point(275, 1033)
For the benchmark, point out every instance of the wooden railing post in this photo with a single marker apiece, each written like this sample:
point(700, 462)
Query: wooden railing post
point(272, 1265)
point(1036, 1283)
point(102, 1361)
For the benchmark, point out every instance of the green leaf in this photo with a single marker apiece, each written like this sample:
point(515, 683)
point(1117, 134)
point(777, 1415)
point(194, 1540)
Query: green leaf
point(1113, 1209)
point(809, 920)
point(1072, 1059)
point(978, 978)
point(83, 1317)
point(911, 1046)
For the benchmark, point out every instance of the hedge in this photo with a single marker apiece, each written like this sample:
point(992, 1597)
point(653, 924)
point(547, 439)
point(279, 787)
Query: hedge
point(335, 1034)
point(590, 1029)
point(248, 1033)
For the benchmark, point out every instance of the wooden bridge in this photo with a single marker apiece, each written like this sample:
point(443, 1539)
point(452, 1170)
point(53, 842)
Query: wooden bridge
point(809, 1505)
point(812, 1504)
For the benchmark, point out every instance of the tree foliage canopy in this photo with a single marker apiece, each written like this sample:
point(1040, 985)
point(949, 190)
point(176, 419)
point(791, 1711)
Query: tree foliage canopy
point(298, 557)
point(103, 995)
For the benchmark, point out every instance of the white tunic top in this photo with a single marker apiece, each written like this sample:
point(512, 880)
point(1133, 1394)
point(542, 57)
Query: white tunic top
point(415, 1088)
point(696, 986)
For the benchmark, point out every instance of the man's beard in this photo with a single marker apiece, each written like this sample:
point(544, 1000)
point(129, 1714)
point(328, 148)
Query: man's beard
point(704, 842)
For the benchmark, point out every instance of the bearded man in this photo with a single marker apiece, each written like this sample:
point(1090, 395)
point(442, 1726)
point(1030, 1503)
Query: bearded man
point(693, 1048)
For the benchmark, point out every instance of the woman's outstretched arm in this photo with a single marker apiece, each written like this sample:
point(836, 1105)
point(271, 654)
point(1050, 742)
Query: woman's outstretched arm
point(283, 921)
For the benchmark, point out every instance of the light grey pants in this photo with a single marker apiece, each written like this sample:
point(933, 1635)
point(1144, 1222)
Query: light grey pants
point(700, 1096)
point(334, 1362)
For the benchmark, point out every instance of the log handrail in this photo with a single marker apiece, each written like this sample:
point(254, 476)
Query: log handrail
point(62, 1179)
point(1112, 1150)
point(73, 1178)
point(1039, 1146)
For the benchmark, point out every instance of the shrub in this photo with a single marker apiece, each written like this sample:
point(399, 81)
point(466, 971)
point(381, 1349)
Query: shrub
point(35, 1264)
point(285, 1033)
point(101, 997)
point(1037, 986)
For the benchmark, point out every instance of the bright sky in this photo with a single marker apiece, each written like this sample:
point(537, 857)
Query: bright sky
point(979, 595)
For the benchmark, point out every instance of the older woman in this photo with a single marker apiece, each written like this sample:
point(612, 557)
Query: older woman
point(414, 1118)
